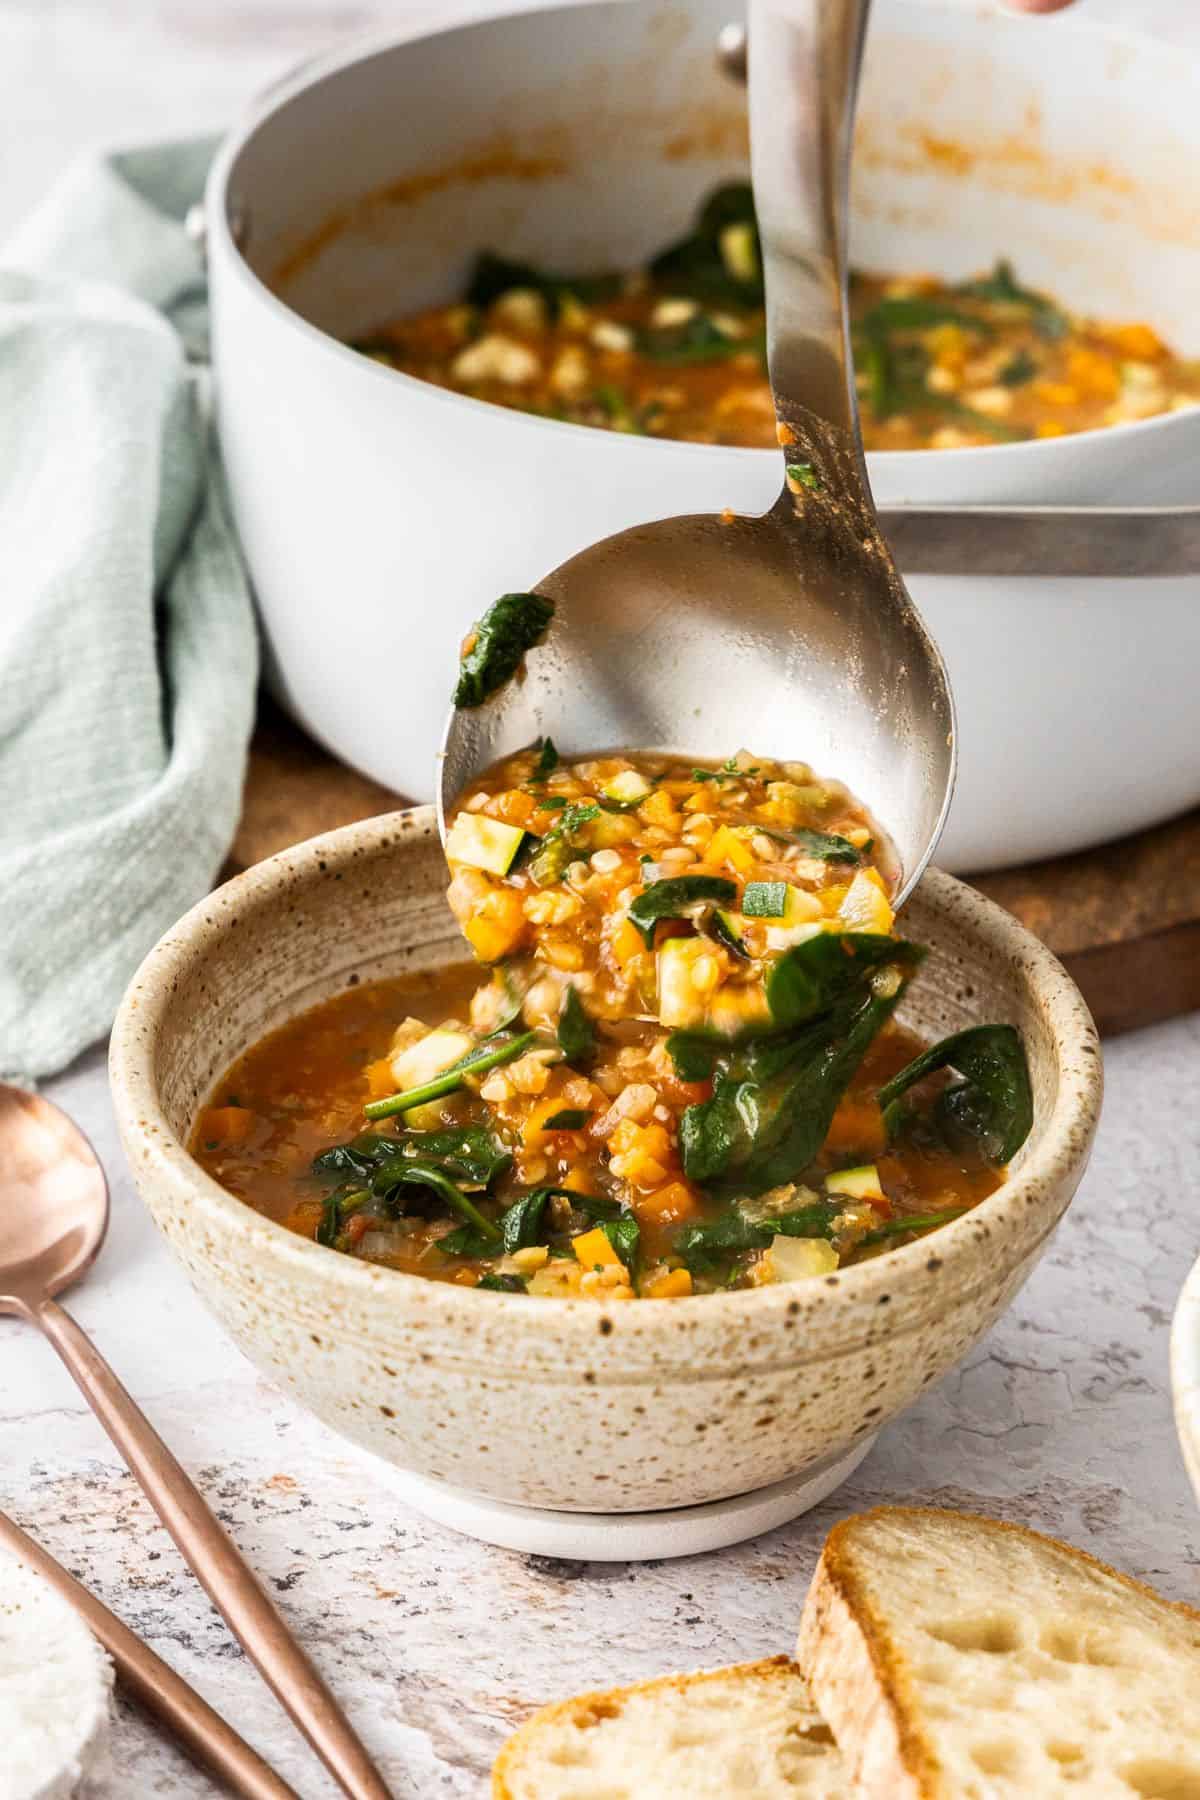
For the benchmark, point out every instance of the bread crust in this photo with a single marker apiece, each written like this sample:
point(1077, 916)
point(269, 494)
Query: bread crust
point(858, 1675)
point(586, 1710)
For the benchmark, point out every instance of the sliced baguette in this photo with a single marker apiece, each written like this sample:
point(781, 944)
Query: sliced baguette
point(747, 1730)
point(960, 1659)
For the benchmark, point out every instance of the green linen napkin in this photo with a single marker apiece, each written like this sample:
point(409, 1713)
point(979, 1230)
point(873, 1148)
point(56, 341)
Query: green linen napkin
point(128, 657)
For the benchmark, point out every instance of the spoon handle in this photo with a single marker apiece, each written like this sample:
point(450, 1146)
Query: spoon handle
point(154, 1684)
point(225, 1577)
point(804, 59)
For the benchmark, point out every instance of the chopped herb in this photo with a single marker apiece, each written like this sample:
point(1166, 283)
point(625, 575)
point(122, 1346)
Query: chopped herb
point(547, 760)
point(558, 846)
point(552, 802)
point(825, 845)
point(804, 474)
point(511, 626)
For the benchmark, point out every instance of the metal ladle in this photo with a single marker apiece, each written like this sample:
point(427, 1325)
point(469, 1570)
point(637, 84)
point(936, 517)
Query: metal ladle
point(793, 634)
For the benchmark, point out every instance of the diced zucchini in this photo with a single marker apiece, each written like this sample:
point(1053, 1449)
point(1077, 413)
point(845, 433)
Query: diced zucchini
point(628, 787)
point(483, 843)
point(786, 937)
point(739, 251)
point(680, 1005)
point(799, 1259)
point(428, 1057)
point(857, 1184)
point(610, 830)
point(765, 899)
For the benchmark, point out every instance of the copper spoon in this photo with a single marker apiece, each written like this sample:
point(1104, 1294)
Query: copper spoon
point(154, 1684)
point(53, 1217)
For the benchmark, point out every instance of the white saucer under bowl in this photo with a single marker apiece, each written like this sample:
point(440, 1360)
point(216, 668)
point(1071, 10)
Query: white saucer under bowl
point(633, 1536)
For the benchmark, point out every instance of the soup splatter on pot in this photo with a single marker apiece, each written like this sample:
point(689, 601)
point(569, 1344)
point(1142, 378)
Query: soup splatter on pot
point(677, 1073)
point(677, 350)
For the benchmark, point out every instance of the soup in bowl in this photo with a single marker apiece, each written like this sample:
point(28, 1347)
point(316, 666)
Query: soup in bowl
point(575, 1401)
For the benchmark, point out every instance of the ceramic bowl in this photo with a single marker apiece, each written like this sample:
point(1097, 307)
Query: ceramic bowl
point(1185, 1374)
point(380, 515)
point(558, 1403)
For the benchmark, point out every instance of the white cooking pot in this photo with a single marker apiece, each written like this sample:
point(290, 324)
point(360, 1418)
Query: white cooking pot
point(380, 514)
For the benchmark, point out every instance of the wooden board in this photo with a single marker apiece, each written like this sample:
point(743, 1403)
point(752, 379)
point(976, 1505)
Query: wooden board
point(1125, 919)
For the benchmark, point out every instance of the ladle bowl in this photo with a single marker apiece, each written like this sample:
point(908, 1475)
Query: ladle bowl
point(791, 635)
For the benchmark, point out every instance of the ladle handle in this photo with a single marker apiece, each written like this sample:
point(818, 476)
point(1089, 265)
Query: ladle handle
point(154, 1684)
point(230, 1584)
point(804, 59)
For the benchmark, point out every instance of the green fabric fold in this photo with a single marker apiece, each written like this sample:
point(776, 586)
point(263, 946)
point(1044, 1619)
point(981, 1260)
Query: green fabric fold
point(128, 658)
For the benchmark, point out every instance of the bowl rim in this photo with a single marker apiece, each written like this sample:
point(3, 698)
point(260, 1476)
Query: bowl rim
point(1185, 1372)
point(1031, 452)
point(1025, 1208)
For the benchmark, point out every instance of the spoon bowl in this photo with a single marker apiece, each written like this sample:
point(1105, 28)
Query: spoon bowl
point(53, 1200)
point(790, 635)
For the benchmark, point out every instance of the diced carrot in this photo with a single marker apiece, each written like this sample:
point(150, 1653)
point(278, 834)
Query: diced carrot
point(671, 1286)
point(380, 1080)
point(227, 1126)
point(1141, 342)
point(727, 846)
point(578, 1180)
point(533, 1133)
point(593, 1247)
point(666, 1205)
point(626, 941)
point(496, 925)
point(514, 807)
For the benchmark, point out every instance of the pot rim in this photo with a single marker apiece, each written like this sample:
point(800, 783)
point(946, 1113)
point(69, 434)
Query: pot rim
point(1006, 1227)
point(1034, 453)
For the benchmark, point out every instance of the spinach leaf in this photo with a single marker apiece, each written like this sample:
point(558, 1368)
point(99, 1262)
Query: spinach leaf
point(1018, 370)
point(502, 1284)
point(774, 1098)
point(925, 1222)
point(428, 1175)
point(495, 275)
point(809, 978)
point(823, 844)
point(625, 1236)
point(558, 847)
point(696, 267)
point(466, 1241)
point(701, 1244)
point(1048, 319)
point(669, 899)
point(510, 626)
point(359, 1156)
point(521, 1225)
point(487, 1055)
point(576, 1032)
point(916, 312)
point(695, 1054)
point(991, 1108)
point(571, 1118)
point(343, 1200)
point(697, 340)
point(467, 1152)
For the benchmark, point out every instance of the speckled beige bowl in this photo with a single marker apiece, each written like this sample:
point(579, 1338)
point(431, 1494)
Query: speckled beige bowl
point(560, 1403)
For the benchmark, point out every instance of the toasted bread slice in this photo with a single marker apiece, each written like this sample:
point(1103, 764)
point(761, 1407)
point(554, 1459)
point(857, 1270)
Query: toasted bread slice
point(960, 1659)
point(747, 1730)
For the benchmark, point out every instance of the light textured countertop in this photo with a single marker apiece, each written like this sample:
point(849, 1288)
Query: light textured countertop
point(439, 1645)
